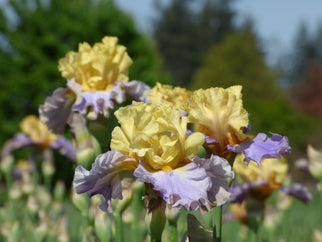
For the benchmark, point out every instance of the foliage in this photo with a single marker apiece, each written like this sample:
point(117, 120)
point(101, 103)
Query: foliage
point(307, 95)
point(237, 61)
point(36, 34)
point(279, 116)
point(306, 50)
point(184, 33)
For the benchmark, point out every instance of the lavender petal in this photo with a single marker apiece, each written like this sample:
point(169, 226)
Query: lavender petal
point(262, 147)
point(105, 177)
point(186, 186)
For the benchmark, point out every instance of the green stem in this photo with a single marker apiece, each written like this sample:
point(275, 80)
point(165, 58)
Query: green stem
point(173, 232)
point(85, 223)
point(136, 205)
point(253, 236)
point(118, 227)
point(217, 220)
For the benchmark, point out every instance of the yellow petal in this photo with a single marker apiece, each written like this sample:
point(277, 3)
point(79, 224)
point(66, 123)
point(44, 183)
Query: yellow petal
point(37, 131)
point(219, 113)
point(97, 67)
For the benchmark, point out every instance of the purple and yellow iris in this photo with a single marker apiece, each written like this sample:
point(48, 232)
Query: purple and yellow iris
point(97, 79)
point(151, 145)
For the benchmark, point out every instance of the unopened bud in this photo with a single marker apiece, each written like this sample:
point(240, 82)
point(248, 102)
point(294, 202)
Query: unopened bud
point(59, 191)
point(43, 197)
point(48, 169)
point(81, 201)
point(155, 218)
point(172, 214)
point(32, 205)
point(41, 231)
point(102, 226)
point(15, 192)
point(15, 232)
point(6, 164)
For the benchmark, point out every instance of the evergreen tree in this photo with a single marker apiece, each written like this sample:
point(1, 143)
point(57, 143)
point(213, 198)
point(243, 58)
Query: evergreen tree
point(185, 30)
point(39, 33)
point(238, 60)
point(306, 51)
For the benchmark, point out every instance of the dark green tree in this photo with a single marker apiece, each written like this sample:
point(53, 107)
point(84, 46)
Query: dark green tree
point(306, 52)
point(238, 60)
point(185, 30)
point(36, 34)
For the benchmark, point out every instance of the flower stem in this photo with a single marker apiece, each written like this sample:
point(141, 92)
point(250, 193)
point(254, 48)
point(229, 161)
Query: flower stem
point(137, 189)
point(173, 232)
point(118, 227)
point(217, 221)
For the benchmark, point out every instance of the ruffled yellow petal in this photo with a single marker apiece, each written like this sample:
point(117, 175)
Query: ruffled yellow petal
point(97, 67)
point(155, 134)
point(219, 113)
point(176, 95)
point(37, 131)
point(272, 170)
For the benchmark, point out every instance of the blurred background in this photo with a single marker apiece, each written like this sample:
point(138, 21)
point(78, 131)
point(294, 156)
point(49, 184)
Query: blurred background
point(273, 49)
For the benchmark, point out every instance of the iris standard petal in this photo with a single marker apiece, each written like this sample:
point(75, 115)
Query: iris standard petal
point(219, 114)
point(105, 176)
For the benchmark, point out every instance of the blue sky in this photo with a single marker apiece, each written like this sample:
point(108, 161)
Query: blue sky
point(276, 21)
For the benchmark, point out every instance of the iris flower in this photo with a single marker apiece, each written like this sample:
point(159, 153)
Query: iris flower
point(97, 79)
point(219, 114)
point(261, 181)
point(35, 133)
point(151, 146)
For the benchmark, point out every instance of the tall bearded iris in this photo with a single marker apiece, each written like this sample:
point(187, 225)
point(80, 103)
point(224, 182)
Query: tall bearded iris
point(151, 146)
point(36, 134)
point(260, 182)
point(97, 79)
point(219, 114)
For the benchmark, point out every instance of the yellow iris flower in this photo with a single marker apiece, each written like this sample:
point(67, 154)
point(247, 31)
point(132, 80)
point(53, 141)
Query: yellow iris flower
point(37, 131)
point(98, 67)
point(155, 134)
point(272, 170)
point(219, 113)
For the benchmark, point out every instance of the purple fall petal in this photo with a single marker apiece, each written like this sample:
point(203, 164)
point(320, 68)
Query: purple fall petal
point(56, 110)
point(219, 170)
point(18, 141)
point(136, 90)
point(65, 148)
point(99, 102)
point(262, 147)
point(298, 191)
point(238, 192)
point(105, 177)
point(186, 186)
